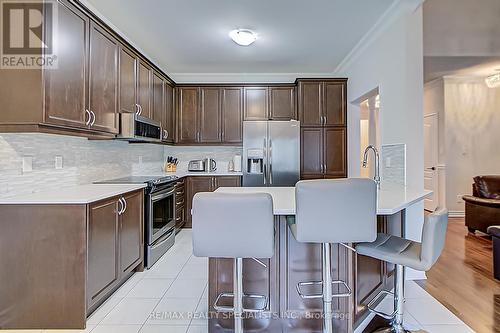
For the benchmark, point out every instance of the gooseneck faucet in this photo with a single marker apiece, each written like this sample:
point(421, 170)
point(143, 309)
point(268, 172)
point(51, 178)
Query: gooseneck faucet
point(377, 163)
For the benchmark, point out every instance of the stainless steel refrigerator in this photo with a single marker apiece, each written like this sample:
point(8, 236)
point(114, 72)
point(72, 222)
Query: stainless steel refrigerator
point(271, 153)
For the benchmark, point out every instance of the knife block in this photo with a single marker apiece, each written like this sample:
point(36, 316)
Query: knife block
point(170, 167)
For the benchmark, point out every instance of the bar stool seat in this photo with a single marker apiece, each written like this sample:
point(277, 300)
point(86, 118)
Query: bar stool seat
point(406, 253)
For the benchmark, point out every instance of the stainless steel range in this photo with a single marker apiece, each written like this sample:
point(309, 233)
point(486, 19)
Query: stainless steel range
point(159, 213)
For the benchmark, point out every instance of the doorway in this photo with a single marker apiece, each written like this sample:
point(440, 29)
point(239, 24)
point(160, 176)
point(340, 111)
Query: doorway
point(431, 160)
point(369, 130)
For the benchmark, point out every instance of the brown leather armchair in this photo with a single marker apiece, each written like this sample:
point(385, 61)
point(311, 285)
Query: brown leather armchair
point(482, 209)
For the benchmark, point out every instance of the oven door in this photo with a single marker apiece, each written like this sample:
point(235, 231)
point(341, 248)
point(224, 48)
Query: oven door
point(161, 219)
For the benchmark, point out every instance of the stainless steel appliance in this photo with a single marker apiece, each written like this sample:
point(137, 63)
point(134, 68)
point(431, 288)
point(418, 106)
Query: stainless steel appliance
point(271, 153)
point(134, 127)
point(196, 165)
point(159, 214)
point(210, 165)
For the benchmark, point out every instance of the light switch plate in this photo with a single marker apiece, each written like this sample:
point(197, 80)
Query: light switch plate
point(27, 164)
point(59, 162)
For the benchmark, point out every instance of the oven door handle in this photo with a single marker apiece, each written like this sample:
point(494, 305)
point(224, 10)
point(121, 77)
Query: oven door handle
point(162, 239)
point(161, 195)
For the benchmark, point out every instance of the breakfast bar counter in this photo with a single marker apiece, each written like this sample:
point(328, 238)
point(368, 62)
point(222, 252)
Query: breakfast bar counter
point(294, 262)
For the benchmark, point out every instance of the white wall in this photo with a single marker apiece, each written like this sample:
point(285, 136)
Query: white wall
point(393, 62)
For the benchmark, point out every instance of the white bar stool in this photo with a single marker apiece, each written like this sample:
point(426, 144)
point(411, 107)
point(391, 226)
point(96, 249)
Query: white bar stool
point(234, 226)
point(333, 211)
point(406, 253)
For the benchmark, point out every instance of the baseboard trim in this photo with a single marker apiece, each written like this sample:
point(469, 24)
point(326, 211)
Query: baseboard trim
point(456, 213)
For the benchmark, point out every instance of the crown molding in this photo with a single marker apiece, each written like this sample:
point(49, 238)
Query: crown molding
point(392, 13)
point(184, 78)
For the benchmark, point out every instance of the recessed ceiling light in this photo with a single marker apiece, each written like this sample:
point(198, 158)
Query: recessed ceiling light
point(243, 37)
point(493, 81)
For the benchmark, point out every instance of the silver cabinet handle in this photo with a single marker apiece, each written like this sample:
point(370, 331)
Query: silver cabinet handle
point(259, 262)
point(325, 120)
point(270, 156)
point(120, 210)
point(93, 118)
point(125, 205)
point(87, 122)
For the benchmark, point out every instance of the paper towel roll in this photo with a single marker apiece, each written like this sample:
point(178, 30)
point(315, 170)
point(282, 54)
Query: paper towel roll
point(237, 163)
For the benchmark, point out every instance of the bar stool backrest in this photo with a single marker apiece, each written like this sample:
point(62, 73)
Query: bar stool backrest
point(228, 225)
point(433, 237)
point(336, 211)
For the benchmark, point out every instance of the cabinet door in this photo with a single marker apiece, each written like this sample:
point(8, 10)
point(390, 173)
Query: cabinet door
point(282, 103)
point(334, 104)
point(168, 114)
point(210, 114)
point(232, 115)
point(310, 103)
point(227, 181)
point(103, 79)
point(128, 81)
point(188, 115)
point(158, 101)
point(194, 185)
point(256, 103)
point(335, 152)
point(131, 232)
point(144, 91)
point(102, 249)
point(311, 151)
point(65, 86)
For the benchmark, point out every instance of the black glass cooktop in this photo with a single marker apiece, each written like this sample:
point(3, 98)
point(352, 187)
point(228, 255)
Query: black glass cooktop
point(140, 180)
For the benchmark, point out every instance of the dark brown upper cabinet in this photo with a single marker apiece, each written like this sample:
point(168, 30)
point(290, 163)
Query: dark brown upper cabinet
point(144, 89)
point(128, 80)
point(187, 114)
point(158, 98)
point(256, 103)
point(103, 79)
point(323, 152)
point(322, 102)
point(232, 115)
point(210, 115)
point(66, 85)
point(168, 118)
point(282, 103)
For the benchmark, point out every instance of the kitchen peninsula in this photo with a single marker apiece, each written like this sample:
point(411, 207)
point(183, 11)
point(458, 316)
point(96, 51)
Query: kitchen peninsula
point(294, 262)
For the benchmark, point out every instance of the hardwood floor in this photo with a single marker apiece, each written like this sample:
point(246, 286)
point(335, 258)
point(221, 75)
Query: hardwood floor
point(462, 279)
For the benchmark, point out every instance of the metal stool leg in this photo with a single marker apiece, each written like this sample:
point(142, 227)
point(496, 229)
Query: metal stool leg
point(397, 321)
point(327, 289)
point(238, 295)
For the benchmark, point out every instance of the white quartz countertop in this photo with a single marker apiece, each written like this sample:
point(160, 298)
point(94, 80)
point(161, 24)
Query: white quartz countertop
point(81, 194)
point(181, 174)
point(389, 201)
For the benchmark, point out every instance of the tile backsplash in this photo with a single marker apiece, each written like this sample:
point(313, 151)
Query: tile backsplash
point(393, 164)
point(85, 161)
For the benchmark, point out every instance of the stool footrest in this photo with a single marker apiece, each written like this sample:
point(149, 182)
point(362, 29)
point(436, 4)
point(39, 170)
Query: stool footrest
point(380, 313)
point(222, 308)
point(315, 283)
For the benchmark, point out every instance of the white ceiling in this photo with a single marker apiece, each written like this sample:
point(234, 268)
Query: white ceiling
point(295, 36)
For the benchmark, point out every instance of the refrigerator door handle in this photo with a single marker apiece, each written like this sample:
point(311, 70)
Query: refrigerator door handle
point(270, 157)
point(264, 157)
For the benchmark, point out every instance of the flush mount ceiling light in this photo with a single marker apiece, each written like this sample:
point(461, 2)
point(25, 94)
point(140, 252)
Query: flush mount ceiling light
point(243, 37)
point(493, 81)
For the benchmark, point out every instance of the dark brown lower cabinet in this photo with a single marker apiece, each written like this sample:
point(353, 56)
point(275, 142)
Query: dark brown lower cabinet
point(180, 204)
point(66, 259)
point(197, 184)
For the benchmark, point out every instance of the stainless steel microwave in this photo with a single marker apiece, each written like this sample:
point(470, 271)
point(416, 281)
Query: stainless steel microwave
point(134, 127)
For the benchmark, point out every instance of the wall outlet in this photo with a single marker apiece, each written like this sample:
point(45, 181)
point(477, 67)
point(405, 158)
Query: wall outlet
point(459, 198)
point(59, 162)
point(27, 164)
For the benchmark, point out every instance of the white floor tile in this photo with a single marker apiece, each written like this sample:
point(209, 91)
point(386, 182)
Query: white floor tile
point(413, 290)
point(167, 268)
point(86, 330)
point(150, 288)
point(194, 270)
point(130, 311)
point(192, 288)
point(128, 285)
point(200, 315)
point(117, 329)
point(198, 328)
point(163, 329)
point(173, 311)
point(448, 329)
point(428, 311)
point(101, 312)
point(205, 292)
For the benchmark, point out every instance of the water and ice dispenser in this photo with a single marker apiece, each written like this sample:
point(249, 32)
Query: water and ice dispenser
point(255, 161)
